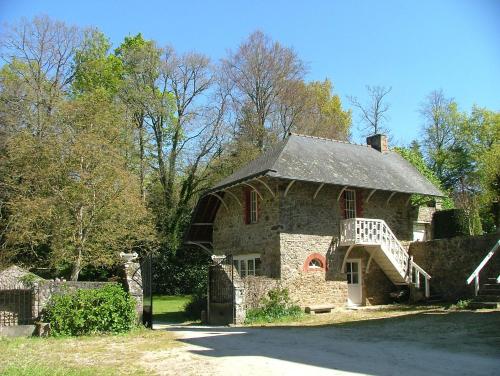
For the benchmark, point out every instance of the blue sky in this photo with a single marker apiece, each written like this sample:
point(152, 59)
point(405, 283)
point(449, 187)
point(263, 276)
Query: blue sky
point(413, 46)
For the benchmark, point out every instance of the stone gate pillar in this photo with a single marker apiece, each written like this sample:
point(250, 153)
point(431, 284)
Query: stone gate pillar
point(133, 281)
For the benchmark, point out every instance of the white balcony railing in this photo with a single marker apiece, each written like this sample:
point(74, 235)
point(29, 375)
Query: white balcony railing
point(366, 231)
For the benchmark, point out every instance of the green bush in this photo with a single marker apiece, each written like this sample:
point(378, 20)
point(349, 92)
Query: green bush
point(108, 309)
point(450, 223)
point(276, 306)
point(462, 304)
point(196, 304)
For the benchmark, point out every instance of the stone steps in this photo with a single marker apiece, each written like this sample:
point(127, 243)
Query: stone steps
point(488, 295)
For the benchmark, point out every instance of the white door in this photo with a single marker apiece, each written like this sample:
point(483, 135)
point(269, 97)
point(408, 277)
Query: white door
point(354, 288)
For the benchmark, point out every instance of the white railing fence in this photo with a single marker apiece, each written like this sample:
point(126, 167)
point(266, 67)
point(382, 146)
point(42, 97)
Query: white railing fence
point(376, 232)
point(475, 274)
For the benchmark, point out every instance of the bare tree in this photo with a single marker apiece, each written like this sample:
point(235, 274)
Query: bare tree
point(40, 53)
point(373, 113)
point(258, 73)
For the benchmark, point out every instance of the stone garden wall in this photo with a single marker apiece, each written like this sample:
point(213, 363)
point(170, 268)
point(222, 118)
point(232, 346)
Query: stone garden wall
point(451, 261)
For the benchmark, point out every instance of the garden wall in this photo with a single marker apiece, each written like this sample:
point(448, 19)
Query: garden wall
point(451, 261)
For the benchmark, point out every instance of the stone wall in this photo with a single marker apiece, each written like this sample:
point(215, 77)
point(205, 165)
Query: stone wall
point(292, 228)
point(45, 289)
point(232, 236)
point(451, 261)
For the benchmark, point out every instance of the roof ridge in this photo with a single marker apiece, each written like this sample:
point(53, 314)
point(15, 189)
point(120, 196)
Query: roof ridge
point(328, 139)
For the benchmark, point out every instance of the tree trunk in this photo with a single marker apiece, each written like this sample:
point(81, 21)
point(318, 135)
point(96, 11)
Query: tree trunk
point(77, 267)
point(141, 156)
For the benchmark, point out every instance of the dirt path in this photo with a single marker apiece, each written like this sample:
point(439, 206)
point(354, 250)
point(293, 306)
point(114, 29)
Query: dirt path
point(314, 350)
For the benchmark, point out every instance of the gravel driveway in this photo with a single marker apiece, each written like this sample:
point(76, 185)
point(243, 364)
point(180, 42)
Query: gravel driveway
point(314, 351)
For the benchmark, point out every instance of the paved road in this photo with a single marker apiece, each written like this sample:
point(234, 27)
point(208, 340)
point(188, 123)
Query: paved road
point(308, 351)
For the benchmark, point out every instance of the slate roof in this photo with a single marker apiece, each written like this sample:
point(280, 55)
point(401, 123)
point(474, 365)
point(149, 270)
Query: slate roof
point(319, 160)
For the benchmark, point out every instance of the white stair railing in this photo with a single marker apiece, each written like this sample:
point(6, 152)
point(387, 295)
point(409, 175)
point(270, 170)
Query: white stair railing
point(376, 232)
point(475, 274)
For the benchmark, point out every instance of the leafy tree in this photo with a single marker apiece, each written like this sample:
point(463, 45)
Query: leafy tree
point(72, 191)
point(441, 121)
point(95, 68)
point(324, 115)
point(413, 155)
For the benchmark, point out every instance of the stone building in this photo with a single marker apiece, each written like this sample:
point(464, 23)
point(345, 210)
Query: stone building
point(327, 219)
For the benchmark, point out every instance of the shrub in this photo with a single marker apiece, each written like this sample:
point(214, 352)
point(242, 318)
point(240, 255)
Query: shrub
point(196, 304)
point(276, 306)
point(109, 309)
point(450, 223)
point(462, 304)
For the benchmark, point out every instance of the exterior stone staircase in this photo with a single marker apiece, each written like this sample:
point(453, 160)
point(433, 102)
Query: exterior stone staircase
point(385, 249)
point(488, 295)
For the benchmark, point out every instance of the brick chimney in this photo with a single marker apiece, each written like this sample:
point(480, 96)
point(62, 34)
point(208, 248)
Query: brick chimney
point(378, 142)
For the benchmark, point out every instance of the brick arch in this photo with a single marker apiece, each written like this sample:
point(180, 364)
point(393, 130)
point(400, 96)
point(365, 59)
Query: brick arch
point(311, 257)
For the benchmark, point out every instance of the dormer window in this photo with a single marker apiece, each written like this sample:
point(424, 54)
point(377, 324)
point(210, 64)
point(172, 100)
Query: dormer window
point(349, 203)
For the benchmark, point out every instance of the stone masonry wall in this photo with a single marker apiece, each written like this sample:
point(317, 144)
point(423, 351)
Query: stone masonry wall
point(292, 228)
point(232, 236)
point(451, 261)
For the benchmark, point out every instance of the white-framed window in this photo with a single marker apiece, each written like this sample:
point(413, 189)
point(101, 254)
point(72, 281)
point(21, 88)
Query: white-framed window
point(254, 212)
point(247, 264)
point(350, 203)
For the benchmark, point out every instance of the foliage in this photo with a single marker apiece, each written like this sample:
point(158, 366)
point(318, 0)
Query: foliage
point(71, 189)
point(462, 304)
point(413, 155)
point(312, 109)
point(108, 309)
point(196, 304)
point(182, 272)
point(94, 67)
point(276, 306)
point(450, 223)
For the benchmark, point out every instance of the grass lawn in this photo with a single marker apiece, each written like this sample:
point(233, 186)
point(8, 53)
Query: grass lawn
point(93, 355)
point(170, 308)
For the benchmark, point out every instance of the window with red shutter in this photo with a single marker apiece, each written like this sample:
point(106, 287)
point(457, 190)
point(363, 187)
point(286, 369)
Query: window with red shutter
point(349, 203)
point(251, 212)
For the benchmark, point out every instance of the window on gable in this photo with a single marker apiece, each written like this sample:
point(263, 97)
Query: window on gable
point(349, 203)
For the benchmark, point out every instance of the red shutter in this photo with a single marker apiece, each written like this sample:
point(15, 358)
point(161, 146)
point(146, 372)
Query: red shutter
point(246, 211)
point(359, 203)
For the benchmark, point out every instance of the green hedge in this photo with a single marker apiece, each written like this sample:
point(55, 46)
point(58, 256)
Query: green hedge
point(450, 223)
point(108, 309)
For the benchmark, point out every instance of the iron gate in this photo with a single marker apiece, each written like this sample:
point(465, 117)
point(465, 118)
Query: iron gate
point(221, 308)
point(147, 298)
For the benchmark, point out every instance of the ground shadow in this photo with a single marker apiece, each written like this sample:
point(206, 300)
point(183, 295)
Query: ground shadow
point(454, 342)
